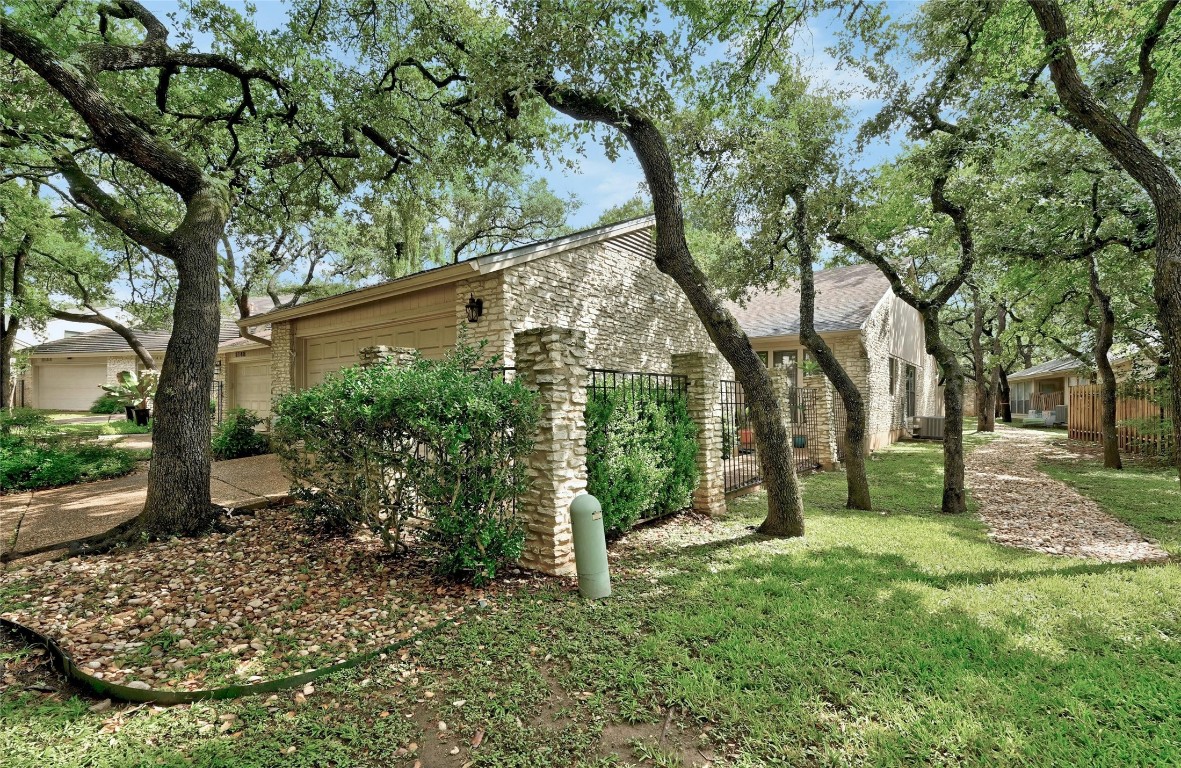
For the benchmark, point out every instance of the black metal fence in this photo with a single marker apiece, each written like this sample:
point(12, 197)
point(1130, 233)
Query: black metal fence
point(740, 460)
point(841, 419)
point(217, 401)
point(652, 387)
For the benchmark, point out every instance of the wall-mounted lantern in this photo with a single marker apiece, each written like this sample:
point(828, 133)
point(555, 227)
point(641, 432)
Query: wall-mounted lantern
point(475, 308)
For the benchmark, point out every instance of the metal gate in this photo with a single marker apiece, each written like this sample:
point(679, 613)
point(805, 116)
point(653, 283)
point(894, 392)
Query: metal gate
point(216, 407)
point(740, 460)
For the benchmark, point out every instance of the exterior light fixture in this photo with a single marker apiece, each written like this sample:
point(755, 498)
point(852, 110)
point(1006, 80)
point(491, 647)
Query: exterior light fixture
point(475, 308)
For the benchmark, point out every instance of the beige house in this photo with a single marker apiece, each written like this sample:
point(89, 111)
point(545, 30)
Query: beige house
point(66, 374)
point(1047, 385)
point(877, 337)
point(602, 281)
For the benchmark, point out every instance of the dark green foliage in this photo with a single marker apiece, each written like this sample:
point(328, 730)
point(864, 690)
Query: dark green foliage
point(440, 440)
point(236, 438)
point(107, 403)
point(641, 455)
point(33, 455)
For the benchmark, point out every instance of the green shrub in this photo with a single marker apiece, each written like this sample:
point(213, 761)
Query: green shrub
point(236, 438)
point(437, 440)
point(107, 403)
point(28, 463)
point(641, 455)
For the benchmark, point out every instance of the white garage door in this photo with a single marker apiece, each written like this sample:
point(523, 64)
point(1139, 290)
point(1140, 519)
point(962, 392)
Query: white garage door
point(325, 354)
point(252, 386)
point(69, 386)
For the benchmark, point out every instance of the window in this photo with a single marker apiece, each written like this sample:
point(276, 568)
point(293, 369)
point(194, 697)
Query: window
point(762, 356)
point(911, 387)
point(893, 375)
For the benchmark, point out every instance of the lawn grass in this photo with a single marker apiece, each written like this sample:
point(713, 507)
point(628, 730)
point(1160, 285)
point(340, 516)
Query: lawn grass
point(1146, 498)
point(896, 637)
point(119, 426)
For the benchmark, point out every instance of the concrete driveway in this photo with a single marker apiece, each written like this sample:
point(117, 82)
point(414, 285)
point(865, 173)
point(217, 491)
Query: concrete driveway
point(34, 519)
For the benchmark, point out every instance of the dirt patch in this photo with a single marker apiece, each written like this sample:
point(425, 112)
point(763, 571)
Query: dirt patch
point(1024, 507)
point(264, 599)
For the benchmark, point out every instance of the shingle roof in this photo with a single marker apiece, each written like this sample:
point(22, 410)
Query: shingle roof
point(1061, 365)
point(106, 340)
point(845, 296)
point(242, 341)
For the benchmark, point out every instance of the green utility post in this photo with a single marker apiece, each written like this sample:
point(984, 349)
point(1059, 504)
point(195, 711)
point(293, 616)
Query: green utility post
point(590, 547)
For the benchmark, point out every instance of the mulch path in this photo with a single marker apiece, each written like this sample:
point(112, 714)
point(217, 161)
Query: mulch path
point(265, 599)
point(1024, 507)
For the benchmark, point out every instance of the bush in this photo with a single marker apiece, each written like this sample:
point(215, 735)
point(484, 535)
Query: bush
point(107, 403)
point(437, 440)
point(641, 455)
point(236, 438)
point(33, 455)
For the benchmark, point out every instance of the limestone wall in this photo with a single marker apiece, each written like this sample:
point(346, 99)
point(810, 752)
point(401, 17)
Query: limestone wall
point(634, 317)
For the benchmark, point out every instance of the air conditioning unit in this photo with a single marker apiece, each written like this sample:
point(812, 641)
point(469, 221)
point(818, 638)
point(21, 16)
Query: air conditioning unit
point(1060, 414)
point(928, 427)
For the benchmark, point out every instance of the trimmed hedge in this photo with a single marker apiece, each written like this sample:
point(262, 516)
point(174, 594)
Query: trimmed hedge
point(641, 455)
point(236, 438)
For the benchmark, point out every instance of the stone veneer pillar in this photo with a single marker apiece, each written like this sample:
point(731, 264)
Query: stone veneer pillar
point(703, 370)
point(401, 356)
point(782, 381)
point(116, 365)
point(826, 452)
point(282, 360)
point(552, 362)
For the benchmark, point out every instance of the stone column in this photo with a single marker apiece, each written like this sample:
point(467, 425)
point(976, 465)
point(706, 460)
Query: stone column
point(282, 360)
point(400, 356)
point(782, 381)
point(703, 370)
point(552, 362)
point(116, 365)
point(826, 451)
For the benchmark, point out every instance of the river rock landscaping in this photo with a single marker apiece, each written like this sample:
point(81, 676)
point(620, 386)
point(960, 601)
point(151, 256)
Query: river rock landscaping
point(264, 599)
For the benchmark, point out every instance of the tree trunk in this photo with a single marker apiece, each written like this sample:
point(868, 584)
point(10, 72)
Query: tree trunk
point(1104, 335)
point(954, 496)
point(855, 478)
point(1146, 167)
point(1000, 374)
point(12, 324)
point(178, 501)
point(984, 374)
point(785, 512)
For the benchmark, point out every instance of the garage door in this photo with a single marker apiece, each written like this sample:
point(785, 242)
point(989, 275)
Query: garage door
point(69, 386)
point(325, 354)
point(251, 384)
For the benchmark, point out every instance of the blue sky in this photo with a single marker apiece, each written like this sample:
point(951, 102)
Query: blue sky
point(600, 183)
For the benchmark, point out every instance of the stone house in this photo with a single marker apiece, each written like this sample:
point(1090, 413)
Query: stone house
point(877, 337)
point(602, 282)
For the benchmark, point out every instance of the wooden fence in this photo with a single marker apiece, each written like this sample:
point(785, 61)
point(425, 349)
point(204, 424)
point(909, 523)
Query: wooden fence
point(1151, 436)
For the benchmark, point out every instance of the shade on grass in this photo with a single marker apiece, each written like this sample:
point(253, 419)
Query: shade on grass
point(900, 638)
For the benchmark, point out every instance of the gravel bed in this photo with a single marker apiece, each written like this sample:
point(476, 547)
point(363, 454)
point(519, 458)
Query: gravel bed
point(263, 600)
point(1024, 507)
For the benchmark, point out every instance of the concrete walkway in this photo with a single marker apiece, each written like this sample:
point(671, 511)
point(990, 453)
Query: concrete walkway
point(33, 519)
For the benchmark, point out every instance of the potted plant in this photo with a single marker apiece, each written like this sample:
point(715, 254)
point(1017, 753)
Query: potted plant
point(125, 395)
point(142, 388)
point(799, 441)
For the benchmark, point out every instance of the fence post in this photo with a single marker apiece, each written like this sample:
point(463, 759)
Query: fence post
point(826, 451)
point(400, 356)
point(552, 362)
point(703, 372)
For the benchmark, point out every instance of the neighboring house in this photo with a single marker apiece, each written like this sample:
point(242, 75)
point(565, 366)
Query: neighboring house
point(66, 374)
point(602, 281)
point(1046, 385)
point(877, 337)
